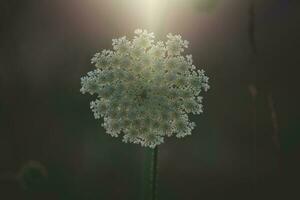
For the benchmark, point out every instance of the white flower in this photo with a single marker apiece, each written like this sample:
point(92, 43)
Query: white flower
point(143, 39)
point(145, 90)
point(103, 59)
point(121, 45)
point(175, 45)
point(158, 51)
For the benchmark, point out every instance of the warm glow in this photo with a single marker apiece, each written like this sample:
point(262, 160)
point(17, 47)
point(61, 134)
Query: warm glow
point(152, 12)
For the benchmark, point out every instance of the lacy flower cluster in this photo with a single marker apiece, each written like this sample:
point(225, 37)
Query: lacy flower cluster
point(145, 89)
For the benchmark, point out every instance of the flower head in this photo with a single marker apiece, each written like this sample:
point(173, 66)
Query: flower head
point(146, 89)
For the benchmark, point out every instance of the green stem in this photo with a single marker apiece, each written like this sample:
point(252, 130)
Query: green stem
point(151, 174)
point(154, 172)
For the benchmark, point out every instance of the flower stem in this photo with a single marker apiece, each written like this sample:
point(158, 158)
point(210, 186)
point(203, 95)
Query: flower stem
point(154, 172)
point(151, 174)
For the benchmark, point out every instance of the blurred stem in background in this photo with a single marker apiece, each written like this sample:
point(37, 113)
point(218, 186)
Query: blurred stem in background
point(251, 27)
point(253, 93)
point(150, 174)
point(252, 88)
point(276, 135)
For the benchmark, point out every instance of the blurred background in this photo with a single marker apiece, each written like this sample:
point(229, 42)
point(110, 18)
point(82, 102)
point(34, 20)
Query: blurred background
point(245, 145)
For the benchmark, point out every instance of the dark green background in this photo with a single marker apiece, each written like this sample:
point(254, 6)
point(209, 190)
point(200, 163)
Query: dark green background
point(46, 46)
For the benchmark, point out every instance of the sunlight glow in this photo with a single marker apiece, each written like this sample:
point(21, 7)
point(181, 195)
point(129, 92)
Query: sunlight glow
point(152, 11)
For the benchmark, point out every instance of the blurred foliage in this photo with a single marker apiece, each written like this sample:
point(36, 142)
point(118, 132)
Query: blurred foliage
point(33, 176)
point(205, 5)
point(290, 137)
